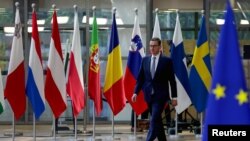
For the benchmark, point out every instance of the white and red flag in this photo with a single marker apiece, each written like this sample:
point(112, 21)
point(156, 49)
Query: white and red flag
point(15, 83)
point(55, 84)
point(75, 84)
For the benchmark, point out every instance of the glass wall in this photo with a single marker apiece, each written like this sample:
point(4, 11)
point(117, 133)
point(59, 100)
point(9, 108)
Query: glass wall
point(189, 21)
point(242, 16)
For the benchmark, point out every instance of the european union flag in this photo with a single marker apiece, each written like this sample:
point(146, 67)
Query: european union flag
point(228, 102)
point(200, 72)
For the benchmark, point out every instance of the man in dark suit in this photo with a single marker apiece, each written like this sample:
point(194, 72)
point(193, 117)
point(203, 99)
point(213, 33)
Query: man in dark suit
point(156, 72)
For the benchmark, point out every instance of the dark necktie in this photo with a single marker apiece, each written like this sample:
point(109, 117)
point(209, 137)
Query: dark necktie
point(153, 67)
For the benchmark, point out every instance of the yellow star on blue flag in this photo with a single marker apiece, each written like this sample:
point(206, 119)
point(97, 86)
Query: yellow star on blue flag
point(228, 99)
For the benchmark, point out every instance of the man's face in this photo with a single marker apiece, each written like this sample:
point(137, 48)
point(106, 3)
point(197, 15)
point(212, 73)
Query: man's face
point(155, 48)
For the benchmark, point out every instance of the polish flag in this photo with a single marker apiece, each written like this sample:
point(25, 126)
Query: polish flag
point(75, 84)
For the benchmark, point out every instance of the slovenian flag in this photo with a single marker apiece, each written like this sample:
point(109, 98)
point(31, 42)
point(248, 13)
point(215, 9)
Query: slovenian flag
point(136, 53)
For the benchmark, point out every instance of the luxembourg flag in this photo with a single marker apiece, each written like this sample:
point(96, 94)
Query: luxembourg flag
point(75, 85)
point(136, 53)
point(15, 83)
point(180, 67)
point(55, 83)
point(35, 81)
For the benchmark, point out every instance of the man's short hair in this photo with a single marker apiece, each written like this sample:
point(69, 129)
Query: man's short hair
point(156, 39)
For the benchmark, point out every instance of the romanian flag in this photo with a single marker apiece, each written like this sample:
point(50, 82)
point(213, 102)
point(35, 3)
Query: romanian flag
point(113, 85)
point(35, 81)
point(55, 83)
point(228, 101)
point(200, 72)
point(136, 53)
point(15, 83)
point(94, 85)
point(75, 84)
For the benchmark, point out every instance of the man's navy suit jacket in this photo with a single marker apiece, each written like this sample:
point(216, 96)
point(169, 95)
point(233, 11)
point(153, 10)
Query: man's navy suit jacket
point(164, 74)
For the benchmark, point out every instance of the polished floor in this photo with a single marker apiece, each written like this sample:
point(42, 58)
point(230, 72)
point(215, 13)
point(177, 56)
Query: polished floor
point(103, 132)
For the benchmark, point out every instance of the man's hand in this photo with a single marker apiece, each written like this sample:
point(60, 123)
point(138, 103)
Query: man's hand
point(174, 102)
point(133, 98)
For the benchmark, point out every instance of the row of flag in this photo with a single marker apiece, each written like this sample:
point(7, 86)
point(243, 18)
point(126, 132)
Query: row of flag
point(219, 94)
point(56, 86)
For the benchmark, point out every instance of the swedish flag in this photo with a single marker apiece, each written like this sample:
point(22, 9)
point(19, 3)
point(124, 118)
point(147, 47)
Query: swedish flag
point(200, 73)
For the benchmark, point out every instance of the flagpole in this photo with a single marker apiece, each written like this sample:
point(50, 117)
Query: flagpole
point(201, 123)
point(13, 127)
point(135, 119)
point(135, 124)
point(114, 12)
point(34, 119)
point(112, 126)
point(66, 66)
point(75, 127)
point(134, 136)
point(201, 114)
point(176, 124)
point(94, 10)
point(93, 122)
point(54, 128)
point(34, 127)
point(13, 116)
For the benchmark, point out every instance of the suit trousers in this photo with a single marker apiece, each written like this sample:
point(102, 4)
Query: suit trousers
point(156, 128)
